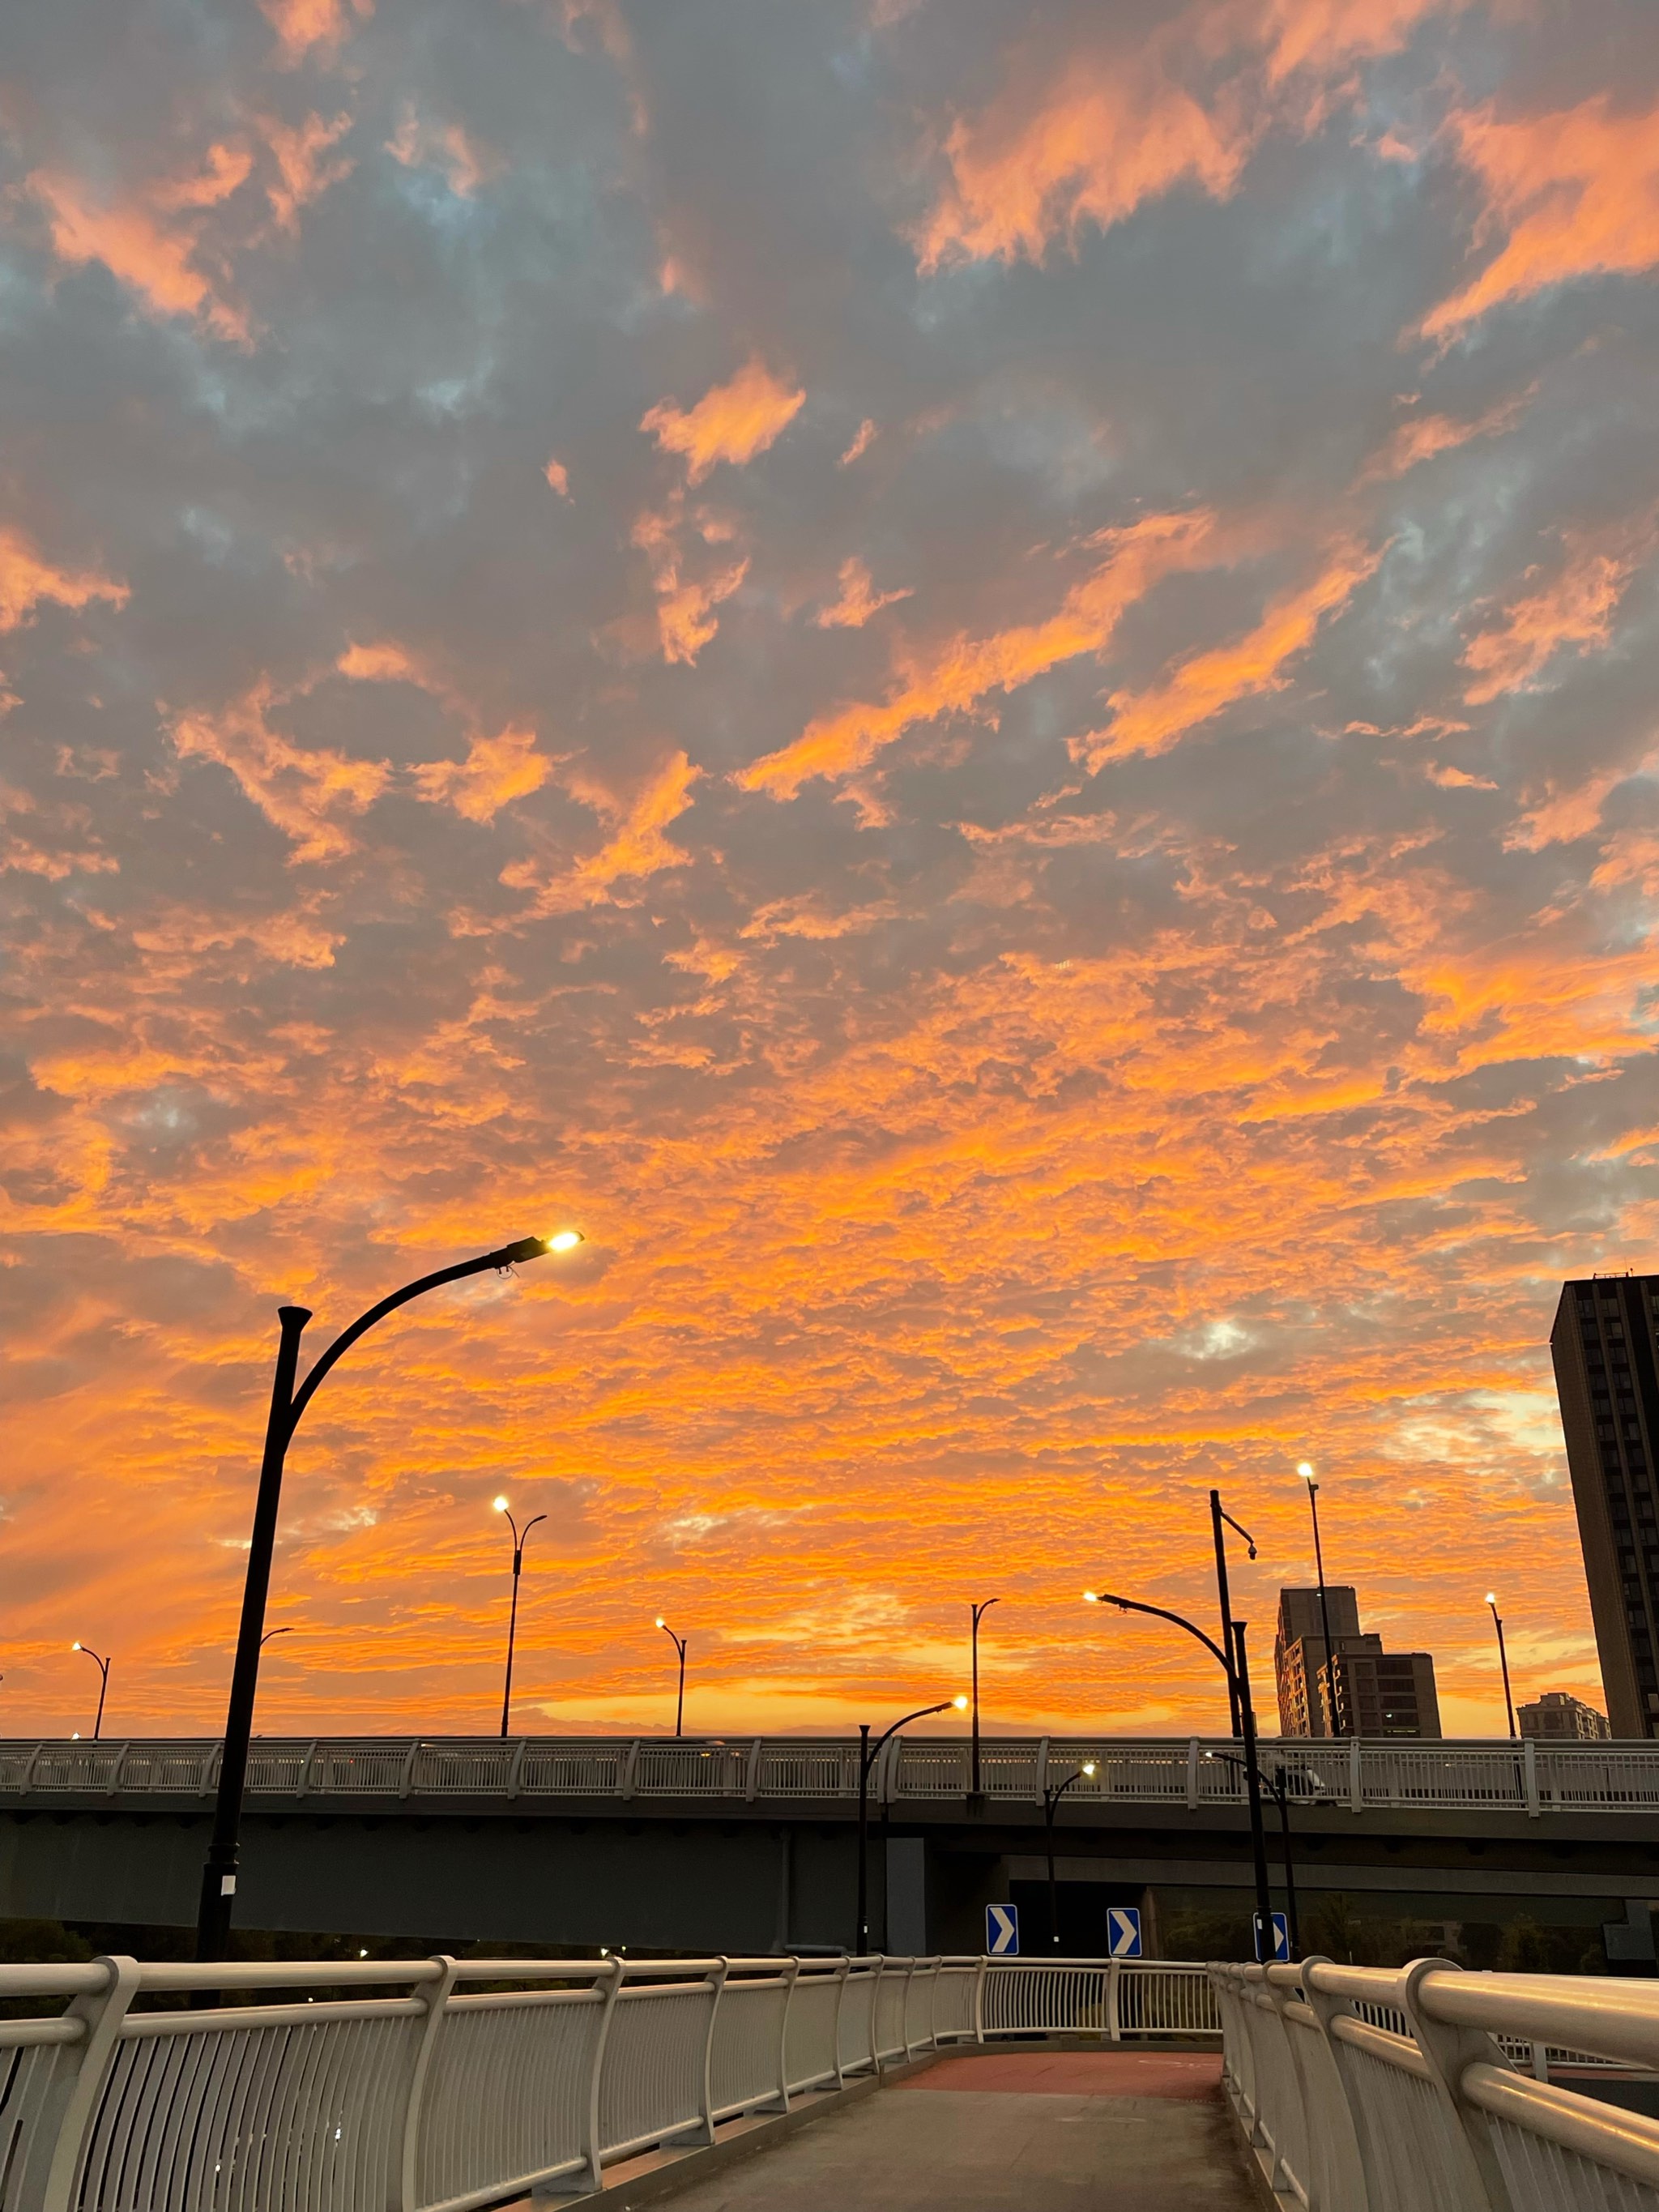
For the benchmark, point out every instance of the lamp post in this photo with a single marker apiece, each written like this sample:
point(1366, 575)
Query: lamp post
point(1051, 1798)
point(1278, 1788)
point(979, 1612)
point(1246, 1715)
point(1216, 1517)
point(868, 1754)
point(679, 1643)
point(518, 1536)
point(1504, 1662)
point(1307, 1474)
point(102, 1665)
point(288, 1407)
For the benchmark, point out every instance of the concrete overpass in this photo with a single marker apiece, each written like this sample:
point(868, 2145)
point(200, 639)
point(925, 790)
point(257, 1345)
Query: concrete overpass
point(744, 1846)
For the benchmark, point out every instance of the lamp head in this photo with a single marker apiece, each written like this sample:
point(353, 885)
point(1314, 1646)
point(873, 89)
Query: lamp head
point(1089, 1768)
point(500, 1505)
point(1305, 1468)
point(1091, 1597)
point(961, 1703)
point(74, 1646)
point(564, 1239)
point(661, 1623)
point(1491, 1599)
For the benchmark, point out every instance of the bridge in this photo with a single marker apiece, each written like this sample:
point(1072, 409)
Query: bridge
point(440, 2085)
point(749, 1846)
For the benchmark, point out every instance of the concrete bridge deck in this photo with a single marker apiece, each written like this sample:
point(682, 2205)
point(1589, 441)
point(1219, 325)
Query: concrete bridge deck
point(1040, 2130)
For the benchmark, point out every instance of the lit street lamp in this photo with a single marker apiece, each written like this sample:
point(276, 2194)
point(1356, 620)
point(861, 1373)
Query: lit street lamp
point(1051, 1797)
point(102, 1665)
point(1216, 1517)
point(1504, 1662)
point(1307, 1474)
point(288, 1406)
point(679, 1643)
point(979, 1612)
point(868, 1754)
point(519, 1535)
point(1247, 1716)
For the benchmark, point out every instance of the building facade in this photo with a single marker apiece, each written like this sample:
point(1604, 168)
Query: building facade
point(1354, 1688)
point(1562, 1718)
point(1603, 1346)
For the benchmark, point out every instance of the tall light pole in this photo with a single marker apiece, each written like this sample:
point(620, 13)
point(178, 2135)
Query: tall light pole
point(868, 1754)
point(288, 1407)
point(1051, 1797)
point(979, 1612)
point(1307, 1474)
point(102, 1665)
point(519, 1535)
point(1216, 1517)
point(679, 1643)
point(1247, 1716)
point(1504, 1662)
point(1277, 1785)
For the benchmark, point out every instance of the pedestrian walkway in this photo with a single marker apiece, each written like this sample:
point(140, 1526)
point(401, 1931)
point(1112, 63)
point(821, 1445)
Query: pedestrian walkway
point(1010, 2131)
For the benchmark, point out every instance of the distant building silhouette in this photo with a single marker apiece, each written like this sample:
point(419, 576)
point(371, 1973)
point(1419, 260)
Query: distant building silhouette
point(1363, 1689)
point(1561, 1716)
point(1602, 1345)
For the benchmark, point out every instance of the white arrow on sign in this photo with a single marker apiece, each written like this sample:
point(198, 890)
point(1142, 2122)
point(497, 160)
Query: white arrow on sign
point(1004, 1929)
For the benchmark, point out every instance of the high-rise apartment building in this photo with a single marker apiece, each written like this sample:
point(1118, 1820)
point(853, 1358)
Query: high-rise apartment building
point(1562, 1718)
point(1356, 1685)
point(1603, 1346)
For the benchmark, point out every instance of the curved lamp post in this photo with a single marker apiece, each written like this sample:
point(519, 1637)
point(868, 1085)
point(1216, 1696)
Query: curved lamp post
point(979, 1613)
point(288, 1407)
point(1264, 1910)
point(519, 1535)
point(1051, 1797)
point(1504, 1662)
point(1219, 1515)
point(1305, 1470)
point(868, 1754)
point(679, 1643)
point(102, 1665)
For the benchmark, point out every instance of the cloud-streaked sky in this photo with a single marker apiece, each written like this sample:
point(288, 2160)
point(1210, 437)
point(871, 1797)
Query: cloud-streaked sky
point(977, 678)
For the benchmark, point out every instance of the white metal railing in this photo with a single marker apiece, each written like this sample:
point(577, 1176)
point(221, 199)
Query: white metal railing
point(435, 2085)
point(1366, 2091)
point(1529, 1777)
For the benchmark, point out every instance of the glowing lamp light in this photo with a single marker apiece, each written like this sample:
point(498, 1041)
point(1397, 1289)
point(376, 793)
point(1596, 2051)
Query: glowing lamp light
point(961, 1703)
point(1089, 1768)
point(1091, 1597)
point(499, 1505)
point(1491, 1599)
point(1305, 1468)
point(661, 1623)
point(74, 1647)
point(565, 1240)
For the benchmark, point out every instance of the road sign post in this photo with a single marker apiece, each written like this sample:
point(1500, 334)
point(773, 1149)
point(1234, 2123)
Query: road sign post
point(1002, 1931)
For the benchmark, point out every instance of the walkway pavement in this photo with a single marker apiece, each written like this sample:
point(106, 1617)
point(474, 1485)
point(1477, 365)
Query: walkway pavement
point(1010, 2131)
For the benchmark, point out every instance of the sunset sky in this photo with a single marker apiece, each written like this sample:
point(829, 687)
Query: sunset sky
point(978, 679)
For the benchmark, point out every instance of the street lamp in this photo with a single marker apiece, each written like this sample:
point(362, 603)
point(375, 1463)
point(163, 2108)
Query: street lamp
point(102, 1665)
point(1051, 1797)
point(269, 1632)
point(1307, 1474)
point(679, 1643)
point(288, 1407)
point(1504, 1662)
point(1278, 1786)
point(1216, 1517)
point(979, 1612)
point(518, 1536)
point(868, 1754)
point(1247, 1716)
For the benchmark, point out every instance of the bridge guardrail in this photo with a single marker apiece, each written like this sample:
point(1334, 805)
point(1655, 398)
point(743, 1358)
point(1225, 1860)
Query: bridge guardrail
point(438, 2085)
point(1528, 1777)
point(1361, 2090)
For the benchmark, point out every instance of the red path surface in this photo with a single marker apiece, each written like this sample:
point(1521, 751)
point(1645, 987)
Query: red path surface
point(1191, 2076)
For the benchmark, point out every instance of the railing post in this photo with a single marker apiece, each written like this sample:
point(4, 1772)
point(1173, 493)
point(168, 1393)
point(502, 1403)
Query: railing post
point(841, 1972)
point(602, 2037)
point(979, 1974)
point(1042, 1770)
point(1114, 2005)
point(1325, 2009)
point(434, 1998)
point(515, 1767)
point(1192, 1774)
point(1356, 1778)
point(904, 2007)
point(1450, 2051)
point(405, 1779)
point(103, 2011)
point(752, 1771)
point(717, 1983)
point(625, 1789)
point(1529, 1775)
point(791, 1976)
point(305, 1767)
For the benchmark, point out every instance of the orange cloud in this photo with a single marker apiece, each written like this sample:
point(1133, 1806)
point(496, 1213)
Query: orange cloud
point(1423, 436)
point(496, 770)
point(685, 604)
point(306, 27)
point(417, 143)
point(303, 792)
point(956, 678)
point(863, 438)
point(639, 846)
point(225, 169)
point(1574, 193)
point(26, 580)
point(732, 423)
point(558, 475)
point(1576, 608)
point(385, 663)
point(155, 262)
point(1153, 720)
point(857, 601)
point(1323, 36)
point(303, 173)
point(1107, 136)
